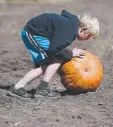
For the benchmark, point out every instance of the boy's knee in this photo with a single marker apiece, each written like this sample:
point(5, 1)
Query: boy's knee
point(43, 68)
point(40, 69)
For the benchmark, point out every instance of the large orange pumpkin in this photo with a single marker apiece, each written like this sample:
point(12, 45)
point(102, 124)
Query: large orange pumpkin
point(82, 75)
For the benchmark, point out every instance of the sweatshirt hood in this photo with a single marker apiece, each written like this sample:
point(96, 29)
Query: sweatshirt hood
point(73, 18)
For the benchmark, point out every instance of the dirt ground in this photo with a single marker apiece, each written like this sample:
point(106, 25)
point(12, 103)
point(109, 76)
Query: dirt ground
point(93, 109)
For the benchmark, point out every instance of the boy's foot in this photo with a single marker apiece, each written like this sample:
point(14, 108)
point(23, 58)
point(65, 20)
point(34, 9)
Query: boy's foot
point(47, 92)
point(19, 92)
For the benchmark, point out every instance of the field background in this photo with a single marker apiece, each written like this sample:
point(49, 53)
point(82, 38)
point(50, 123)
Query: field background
point(93, 109)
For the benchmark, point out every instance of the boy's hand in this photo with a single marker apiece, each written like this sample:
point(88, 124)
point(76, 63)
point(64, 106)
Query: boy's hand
point(78, 53)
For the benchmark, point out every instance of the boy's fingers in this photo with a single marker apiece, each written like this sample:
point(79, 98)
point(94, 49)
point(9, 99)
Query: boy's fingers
point(82, 50)
point(82, 54)
point(79, 57)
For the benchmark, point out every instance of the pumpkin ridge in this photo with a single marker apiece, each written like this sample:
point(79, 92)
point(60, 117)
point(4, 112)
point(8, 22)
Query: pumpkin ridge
point(86, 73)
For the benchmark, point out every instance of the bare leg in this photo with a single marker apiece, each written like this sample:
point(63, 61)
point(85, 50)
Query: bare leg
point(51, 70)
point(31, 75)
point(18, 90)
point(43, 88)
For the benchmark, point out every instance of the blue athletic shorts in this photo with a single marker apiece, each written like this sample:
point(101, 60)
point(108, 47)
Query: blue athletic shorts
point(36, 45)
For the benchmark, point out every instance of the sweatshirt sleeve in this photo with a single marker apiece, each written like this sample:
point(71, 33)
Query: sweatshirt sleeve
point(60, 40)
point(65, 54)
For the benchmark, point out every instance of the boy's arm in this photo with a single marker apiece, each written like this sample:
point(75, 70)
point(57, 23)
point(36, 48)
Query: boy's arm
point(65, 54)
point(60, 41)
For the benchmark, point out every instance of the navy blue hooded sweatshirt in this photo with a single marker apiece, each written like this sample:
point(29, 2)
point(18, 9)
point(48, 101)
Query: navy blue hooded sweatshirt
point(61, 30)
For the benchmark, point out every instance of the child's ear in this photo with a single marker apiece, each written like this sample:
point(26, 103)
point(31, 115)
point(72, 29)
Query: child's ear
point(80, 29)
point(84, 28)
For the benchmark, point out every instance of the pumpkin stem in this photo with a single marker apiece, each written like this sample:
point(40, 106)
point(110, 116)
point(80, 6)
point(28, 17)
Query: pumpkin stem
point(86, 69)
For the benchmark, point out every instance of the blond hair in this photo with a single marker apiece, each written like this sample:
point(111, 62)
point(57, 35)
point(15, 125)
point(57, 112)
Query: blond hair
point(91, 23)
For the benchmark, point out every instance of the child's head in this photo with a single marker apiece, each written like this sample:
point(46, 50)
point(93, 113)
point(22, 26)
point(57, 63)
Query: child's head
point(89, 27)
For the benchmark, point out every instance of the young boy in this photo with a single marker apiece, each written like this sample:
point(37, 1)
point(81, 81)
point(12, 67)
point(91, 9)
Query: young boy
point(47, 37)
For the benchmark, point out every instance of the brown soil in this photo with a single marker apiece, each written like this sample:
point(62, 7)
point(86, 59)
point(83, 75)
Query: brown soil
point(93, 109)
